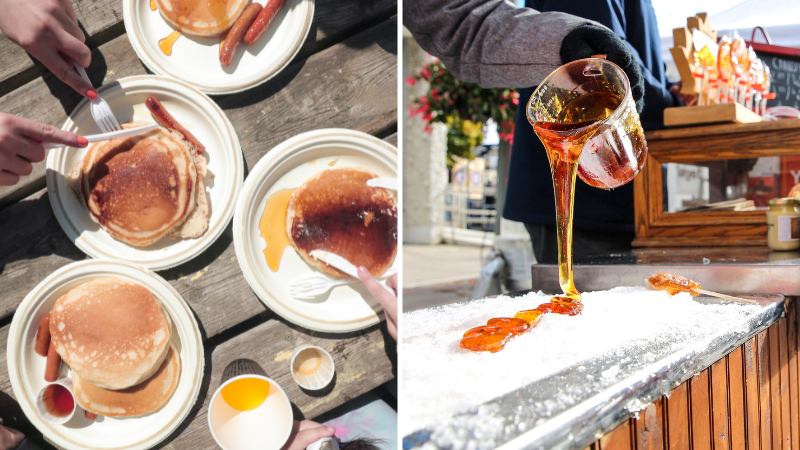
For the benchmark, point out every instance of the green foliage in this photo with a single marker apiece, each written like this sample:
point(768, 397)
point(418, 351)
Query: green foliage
point(463, 107)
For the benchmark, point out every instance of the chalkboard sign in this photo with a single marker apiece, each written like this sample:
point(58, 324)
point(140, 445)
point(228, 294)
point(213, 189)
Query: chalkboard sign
point(784, 64)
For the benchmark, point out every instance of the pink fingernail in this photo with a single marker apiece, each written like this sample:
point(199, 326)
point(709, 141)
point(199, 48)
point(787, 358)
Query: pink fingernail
point(331, 430)
point(362, 270)
point(82, 141)
point(92, 94)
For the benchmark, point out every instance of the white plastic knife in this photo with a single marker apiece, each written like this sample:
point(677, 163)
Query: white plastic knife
point(336, 262)
point(108, 136)
point(386, 183)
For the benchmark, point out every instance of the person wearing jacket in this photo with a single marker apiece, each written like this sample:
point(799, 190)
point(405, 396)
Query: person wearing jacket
point(495, 44)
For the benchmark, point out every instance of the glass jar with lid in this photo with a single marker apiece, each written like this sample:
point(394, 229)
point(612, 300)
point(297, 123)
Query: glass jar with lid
point(783, 224)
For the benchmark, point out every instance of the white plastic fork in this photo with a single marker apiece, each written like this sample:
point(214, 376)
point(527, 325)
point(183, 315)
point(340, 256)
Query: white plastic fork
point(101, 112)
point(315, 285)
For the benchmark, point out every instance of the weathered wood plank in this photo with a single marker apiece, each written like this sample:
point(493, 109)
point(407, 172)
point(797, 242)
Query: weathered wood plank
point(775, 387)
point(678, 422)
point(791, 318)
point(765, 406)
point(783, 391)
point(737, 405)
point(32, 252)
point(618, 439)
point(649, 427)
point(700, 407)
point(363, 361)
point(350, 80)
point(719, 405)
point(102, 21)
point(752, 398)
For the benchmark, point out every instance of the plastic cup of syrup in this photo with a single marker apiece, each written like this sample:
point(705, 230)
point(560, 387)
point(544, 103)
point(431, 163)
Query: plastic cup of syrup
point(312, 367)
point(56, 403)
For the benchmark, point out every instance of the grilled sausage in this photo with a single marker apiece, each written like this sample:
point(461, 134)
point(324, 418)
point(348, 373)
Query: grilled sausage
point(236, 33)
point(43, 336)
point(263, 20)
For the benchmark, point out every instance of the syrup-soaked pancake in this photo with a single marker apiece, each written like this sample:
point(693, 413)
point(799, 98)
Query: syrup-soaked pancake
point(337, 212)
point(141, 188)
point(143, 398)
point(201, 17)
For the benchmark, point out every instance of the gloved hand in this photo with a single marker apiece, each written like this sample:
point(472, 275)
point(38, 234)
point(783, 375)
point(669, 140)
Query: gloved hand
point(587, 40)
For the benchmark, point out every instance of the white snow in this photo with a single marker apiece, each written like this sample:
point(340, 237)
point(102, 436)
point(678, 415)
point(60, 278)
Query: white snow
point(440, 379)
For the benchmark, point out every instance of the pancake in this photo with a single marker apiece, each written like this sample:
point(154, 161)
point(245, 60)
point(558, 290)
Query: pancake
point(143, 187)
point(196, 222)
point(337, 212)
point(133, 401)
point(208, 18)
point(111, 332)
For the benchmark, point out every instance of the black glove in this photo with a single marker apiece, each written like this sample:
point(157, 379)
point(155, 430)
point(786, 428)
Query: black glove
point(588, 40)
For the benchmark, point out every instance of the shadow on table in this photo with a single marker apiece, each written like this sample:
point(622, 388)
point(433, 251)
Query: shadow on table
point(29, 230)
point(260, 93)
point(13, 417)
point(67, 96)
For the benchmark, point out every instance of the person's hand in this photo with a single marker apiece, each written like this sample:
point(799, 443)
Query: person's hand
point(9, 438)
point(587, 40)
point(19, 145)
point(306, 433)
point(49, 31)
point(386, 298)
point(688, 99)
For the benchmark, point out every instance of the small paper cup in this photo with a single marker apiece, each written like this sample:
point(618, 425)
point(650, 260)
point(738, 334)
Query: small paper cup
point(42, 409)
point(311, 376)
point(266, 427)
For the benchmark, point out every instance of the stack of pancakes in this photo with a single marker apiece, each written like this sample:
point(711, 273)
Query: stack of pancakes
point(208, 18)
point(337, 212)
point(141, 188)
point(116, 339)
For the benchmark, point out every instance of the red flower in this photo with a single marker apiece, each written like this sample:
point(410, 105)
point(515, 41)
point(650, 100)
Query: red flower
point(435, 94)
point(503, 106)
point(427, 129)
point(427, 117)
point(515, 101)
point(425, 73)
point(411, 80)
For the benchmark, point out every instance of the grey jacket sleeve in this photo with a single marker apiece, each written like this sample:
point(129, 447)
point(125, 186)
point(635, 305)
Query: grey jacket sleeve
point(490, 42)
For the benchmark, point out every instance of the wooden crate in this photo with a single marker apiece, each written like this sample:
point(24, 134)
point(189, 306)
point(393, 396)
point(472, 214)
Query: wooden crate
point(656, 228)
point(708, 114)
point(746, 400)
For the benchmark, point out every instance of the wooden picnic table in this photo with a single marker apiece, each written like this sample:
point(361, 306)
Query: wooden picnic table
point(345, 76)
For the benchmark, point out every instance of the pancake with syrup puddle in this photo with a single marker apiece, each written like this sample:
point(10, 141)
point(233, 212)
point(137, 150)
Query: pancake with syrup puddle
point(337, 212)
point(208, 18)
point(143, 187)
point(111, 332)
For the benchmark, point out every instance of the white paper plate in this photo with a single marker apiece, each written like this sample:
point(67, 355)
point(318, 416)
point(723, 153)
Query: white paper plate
point(344, 308)
point(26, 368)
point(195, 60)
point(192, 109)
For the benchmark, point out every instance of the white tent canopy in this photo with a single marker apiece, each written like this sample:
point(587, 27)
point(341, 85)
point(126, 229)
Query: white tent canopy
point(780, 18)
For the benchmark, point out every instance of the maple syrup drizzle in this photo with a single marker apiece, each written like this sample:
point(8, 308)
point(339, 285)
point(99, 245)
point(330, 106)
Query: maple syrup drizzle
point(273, 227)
point(166, 44)
point(153, 6)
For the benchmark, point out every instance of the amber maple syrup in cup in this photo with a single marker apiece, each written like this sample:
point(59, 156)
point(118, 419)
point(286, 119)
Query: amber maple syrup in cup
point(585, 116)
